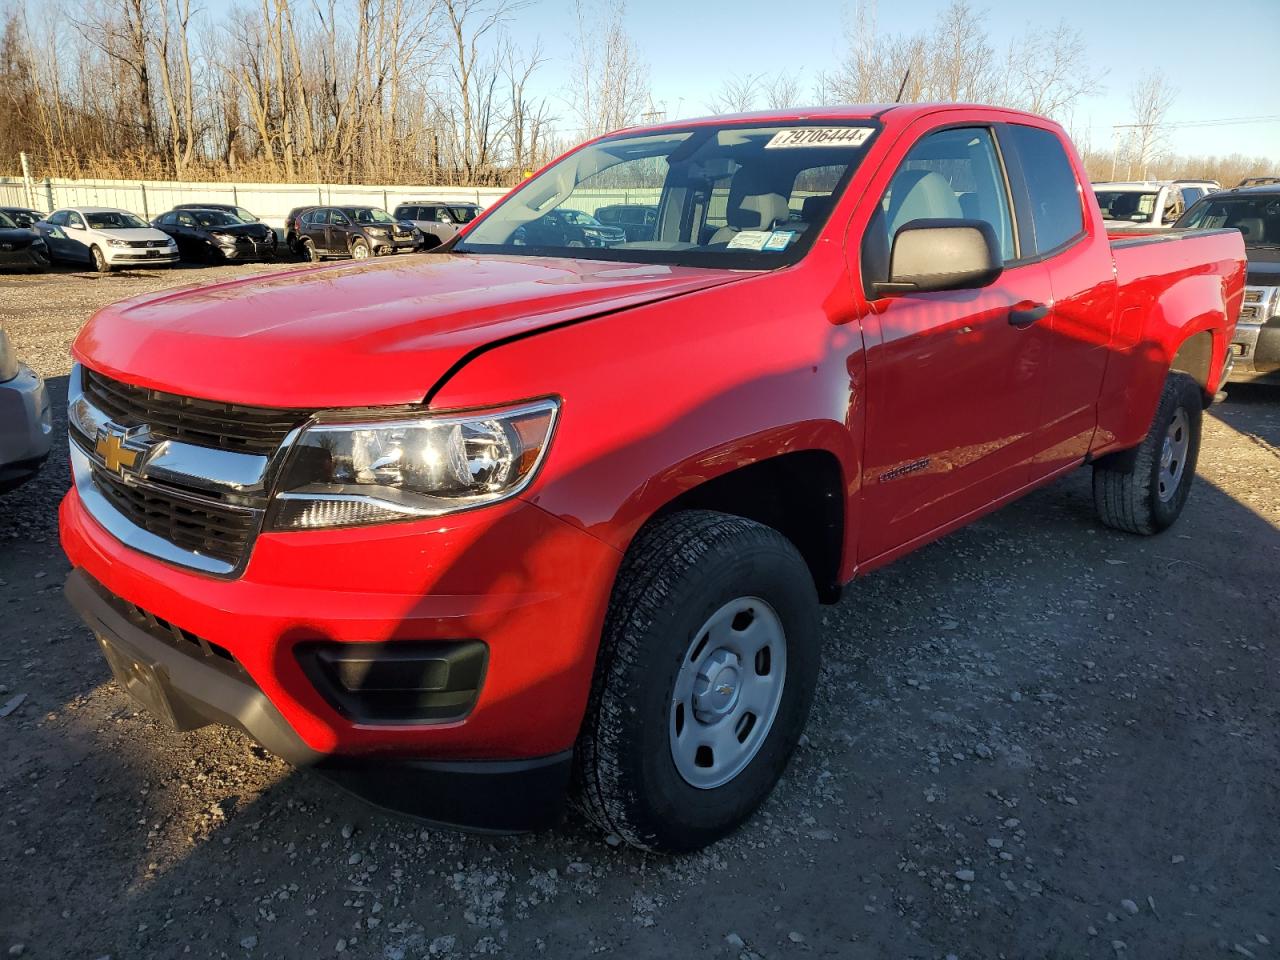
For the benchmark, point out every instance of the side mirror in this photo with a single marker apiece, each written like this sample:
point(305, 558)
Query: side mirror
point(74, 226)
point(930, 255)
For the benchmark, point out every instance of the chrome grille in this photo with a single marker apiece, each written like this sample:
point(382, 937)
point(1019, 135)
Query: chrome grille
point(209, 423)
point(189, 523)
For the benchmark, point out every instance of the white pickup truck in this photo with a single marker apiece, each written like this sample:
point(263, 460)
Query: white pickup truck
point(1149, 204)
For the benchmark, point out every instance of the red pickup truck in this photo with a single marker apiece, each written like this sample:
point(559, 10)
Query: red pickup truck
point(475, 531)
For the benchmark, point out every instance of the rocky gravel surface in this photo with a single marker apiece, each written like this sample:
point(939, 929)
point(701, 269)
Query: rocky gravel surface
point(1035, 738)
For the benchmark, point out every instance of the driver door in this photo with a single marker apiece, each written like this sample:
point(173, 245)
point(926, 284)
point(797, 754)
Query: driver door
point(954, 378)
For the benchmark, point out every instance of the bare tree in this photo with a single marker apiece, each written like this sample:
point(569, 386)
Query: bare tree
point(1150, 100)
point(611, 81)
point(735, 95)
point(1048, 72)
point(782, 91)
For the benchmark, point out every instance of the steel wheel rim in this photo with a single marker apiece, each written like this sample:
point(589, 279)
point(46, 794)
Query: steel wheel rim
point(727, 692)
point(361, 252)
point(1173, 454)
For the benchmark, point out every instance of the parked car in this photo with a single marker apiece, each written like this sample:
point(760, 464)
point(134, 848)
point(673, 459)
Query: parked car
point(215, 235)
point(357, 232)
point(21, 247)
point(1148, 205)
point(26, 422)
point(637, 220)
point(105, 238)
point(1255, 213)
point(464, 531)
point(240, 213)
point(438, 220)
point(292, 227)
point(568, 228)
point(24, 217)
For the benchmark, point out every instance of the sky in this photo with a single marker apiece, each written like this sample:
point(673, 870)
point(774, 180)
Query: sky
point(691, 46)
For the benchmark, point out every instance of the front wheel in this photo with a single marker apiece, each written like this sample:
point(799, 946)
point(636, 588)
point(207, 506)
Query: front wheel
point(1144, 490)
point(360, 250)
point(99, 260)
point(706, 672)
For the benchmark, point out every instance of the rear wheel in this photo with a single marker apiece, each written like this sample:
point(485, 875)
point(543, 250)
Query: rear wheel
point(1144, 490)
point(309, 251)
point(707, 669)
point(99, 260)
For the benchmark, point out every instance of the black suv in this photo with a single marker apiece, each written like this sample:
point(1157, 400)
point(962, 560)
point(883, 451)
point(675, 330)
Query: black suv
point(359, 232)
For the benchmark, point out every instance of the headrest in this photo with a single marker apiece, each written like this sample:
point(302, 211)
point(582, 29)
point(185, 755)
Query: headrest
point(760, 212)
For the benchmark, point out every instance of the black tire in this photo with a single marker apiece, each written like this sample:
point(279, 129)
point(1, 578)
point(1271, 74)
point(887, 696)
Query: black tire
point(98, 260)
point(1127, 490)
point(677, 573)
point(309, 251)
point(360, 244)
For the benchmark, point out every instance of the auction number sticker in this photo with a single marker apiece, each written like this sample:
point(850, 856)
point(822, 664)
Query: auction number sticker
point(820, 137)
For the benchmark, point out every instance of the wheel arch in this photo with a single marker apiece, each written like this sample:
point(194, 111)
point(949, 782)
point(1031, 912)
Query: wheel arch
point(1194, 356)
point(798, 493)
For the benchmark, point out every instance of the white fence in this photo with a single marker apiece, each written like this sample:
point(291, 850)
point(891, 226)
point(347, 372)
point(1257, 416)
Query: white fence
point(269, 201)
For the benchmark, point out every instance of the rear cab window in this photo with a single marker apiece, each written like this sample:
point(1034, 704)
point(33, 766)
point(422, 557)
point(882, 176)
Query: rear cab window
point(1055, 214)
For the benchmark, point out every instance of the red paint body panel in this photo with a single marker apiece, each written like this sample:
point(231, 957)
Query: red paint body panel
point(668, 377)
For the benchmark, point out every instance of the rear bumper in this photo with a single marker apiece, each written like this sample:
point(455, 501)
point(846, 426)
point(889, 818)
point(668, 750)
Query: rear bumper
point(191, 688)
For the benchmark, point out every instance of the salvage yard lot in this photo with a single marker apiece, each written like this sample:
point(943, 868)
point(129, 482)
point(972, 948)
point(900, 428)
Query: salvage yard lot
point(1036, 738)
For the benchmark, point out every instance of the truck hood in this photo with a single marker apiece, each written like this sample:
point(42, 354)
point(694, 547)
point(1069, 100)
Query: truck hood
point(368, 334)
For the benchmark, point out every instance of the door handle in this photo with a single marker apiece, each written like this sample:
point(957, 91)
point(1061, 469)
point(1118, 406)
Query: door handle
point(1025, 314)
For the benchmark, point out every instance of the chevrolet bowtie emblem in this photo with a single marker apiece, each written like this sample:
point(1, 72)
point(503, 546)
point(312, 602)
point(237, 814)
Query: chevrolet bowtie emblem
point(115, 455)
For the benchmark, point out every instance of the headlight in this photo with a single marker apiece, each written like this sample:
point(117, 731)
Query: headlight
point(220, 235)
point(347, 473)
point(117, 243)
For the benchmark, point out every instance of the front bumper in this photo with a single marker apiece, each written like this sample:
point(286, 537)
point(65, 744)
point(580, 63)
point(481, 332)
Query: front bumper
point(134, 255)
point(26, 257)
point(190, 688)
point(26, 427)
point(530, 586)
point(1255, 350)
point(253, 250)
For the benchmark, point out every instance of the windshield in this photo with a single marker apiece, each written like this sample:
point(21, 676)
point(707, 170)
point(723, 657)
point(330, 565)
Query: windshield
point(1258, 218)
point(734, 196)
point(463, 214)
point(115, 220)
point(213, 218)
point(6, 223)
point(1134, 205)
point(245, 216)
point(367, 215)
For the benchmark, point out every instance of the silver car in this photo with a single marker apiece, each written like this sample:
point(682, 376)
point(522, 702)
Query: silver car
point(439, 220)
point(26, 422)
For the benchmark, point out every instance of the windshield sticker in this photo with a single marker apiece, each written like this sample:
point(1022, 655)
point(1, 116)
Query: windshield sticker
point(778, 240)
point(820, 137)
point(749, 240)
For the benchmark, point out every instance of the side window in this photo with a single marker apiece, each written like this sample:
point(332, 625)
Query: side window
point(338, 218)
point(74, 219)
point(1056, 212)
point(59, 219)
point(1191, 194)
point(951, 175)
point(186, 219)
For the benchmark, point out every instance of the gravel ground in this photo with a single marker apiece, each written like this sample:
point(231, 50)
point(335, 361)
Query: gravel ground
point(1035, 738)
